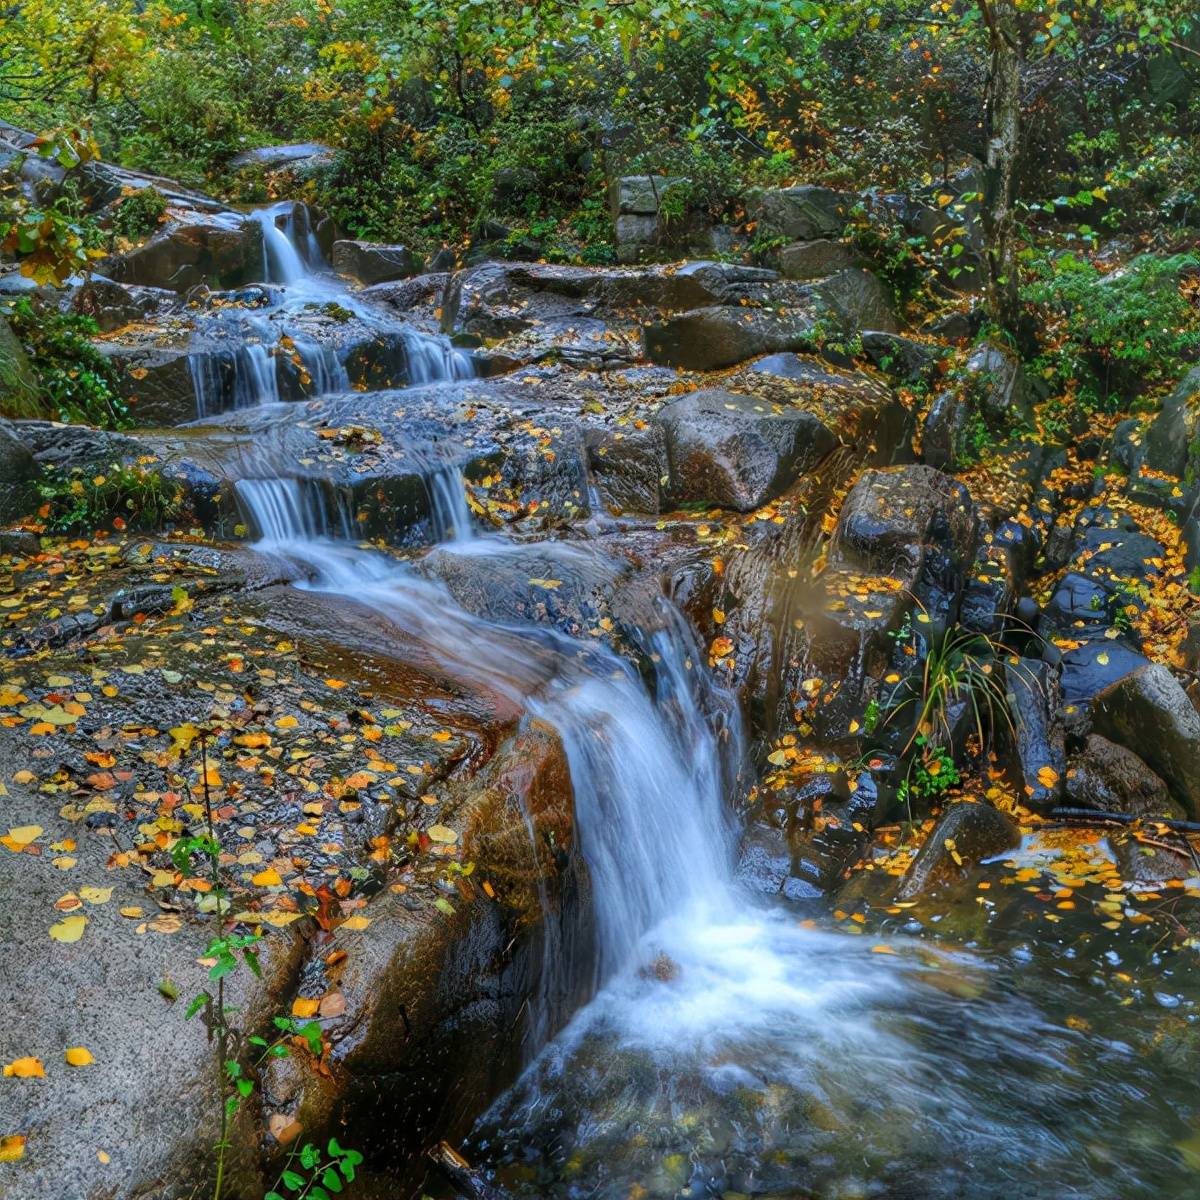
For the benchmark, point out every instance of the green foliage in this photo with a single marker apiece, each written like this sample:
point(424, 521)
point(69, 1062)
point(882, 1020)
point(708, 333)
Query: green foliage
point(124, 497)
point(139, 214)
point(311, 1175)
point(78, 382)
point(51, 238)
point(1105, 335)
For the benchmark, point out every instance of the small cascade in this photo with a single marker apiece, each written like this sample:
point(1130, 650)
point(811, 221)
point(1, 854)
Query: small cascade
point(283, 512)
point(431, 360)
point(281, 256)
point(449, 514)
point(647, 770)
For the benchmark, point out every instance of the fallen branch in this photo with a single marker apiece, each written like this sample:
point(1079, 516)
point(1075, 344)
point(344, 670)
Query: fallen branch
point(463, 1176)
point(1095, 816)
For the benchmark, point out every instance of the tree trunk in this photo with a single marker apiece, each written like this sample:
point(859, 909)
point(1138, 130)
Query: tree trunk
point(1002, 127)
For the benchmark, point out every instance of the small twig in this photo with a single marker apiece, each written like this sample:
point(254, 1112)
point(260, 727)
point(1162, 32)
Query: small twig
point(463, 1176)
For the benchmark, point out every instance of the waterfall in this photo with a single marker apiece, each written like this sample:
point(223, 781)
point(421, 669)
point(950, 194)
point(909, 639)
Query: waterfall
point(646, 769)
point(281, 256)
point(449, 515)
point(246, 375)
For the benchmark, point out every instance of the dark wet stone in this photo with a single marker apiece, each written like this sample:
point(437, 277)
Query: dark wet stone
point(273, 158)
point(1171, 439)
point(1149, 713)
point(1109, 777)
point(889, 516)
point(971, 831)
point(1034, 699)
point(735, 451)
point(860, 300)
point(801, 213)
point(18, 472)
point(1094, 666)
point(816, 259)
point(220, 249)
point(112, 305)
point(371, 262)
point(706, 339)
point(1003, 390)
point(899, 356)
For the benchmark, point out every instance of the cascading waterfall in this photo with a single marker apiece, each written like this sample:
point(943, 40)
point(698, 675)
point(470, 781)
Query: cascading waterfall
point(770, 1058)
point(646, 771)
point(283, 261)
point(247, 374)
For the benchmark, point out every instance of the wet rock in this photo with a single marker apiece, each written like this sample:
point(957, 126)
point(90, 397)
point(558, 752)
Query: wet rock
point(803, 213)
point(586, 315)
point(966, 834)
point(1171, 441)
point(1095, 666)
point(890, 518)
point(220, 249)
point(418, 300)
point(293, 156)
point(1034, 700)
point(20, 392)
point(899, 356)
point(112, 305)
point(1140, 863)
point(860, 300)
point(943, 431)
point(157, 384)
point(627, 466)
point(816, 259)
point(434, 1000)
point(737, 452)
point(1149, 713)
point(554, 583)
point(707, 339)
point(1002, 388)
point(18, 471)
point(372, 262)
point(1109, 777)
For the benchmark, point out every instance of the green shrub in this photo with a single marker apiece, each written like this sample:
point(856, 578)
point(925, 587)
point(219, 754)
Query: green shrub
point(79, 383)
point(139, 214)
point(1108, 333)
point(124, 497)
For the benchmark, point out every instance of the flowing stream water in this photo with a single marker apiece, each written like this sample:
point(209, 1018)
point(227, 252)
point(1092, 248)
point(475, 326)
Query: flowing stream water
point(737, 1045)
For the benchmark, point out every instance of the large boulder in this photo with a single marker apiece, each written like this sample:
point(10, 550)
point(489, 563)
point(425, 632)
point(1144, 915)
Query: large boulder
point(999, 383)
point(113, 305)
point(18, 470)
point(859, 300)
point(816, 259)
point(1149, 713)
point(966, 834)
point(707, 339)
point(220, 249)
point(801, 213)
point(1171, 441)
point(373, 262)
point(890, 518)
point(20, 392)
point(735, 451)
point(1109, 777)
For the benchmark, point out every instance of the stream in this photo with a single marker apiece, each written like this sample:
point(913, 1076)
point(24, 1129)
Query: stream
point(736, 1044)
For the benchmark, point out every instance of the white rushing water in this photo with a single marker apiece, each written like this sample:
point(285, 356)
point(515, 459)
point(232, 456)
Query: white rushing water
point(240, 368)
